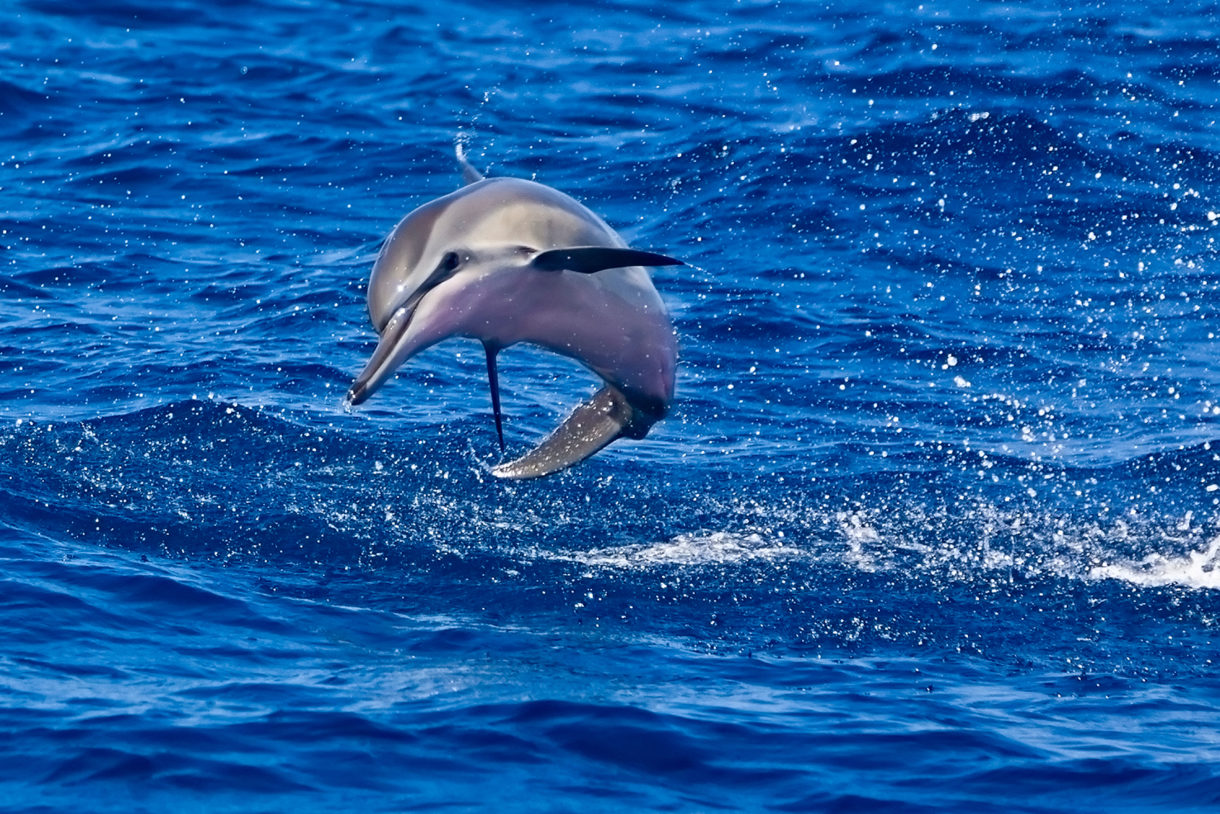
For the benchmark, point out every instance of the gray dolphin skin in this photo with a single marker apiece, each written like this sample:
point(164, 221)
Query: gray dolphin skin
point(504, 260)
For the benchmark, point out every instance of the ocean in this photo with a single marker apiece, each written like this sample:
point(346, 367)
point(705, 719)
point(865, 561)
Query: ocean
point(933, 523)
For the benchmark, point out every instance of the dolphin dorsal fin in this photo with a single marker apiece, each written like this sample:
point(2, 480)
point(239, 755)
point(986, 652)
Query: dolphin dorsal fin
point(592, 259)
point(591, 426)
point(469, 174)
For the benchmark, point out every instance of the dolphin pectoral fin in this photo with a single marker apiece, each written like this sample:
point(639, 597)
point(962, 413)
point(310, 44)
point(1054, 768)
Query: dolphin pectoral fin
point(591, 259)
point(493, 379)
point(591, 426)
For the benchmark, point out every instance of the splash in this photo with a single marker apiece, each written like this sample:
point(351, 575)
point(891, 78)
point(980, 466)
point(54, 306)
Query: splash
point(1197, 569)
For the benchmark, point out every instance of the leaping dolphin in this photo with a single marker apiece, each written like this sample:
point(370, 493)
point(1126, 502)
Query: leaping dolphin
point(505, 260)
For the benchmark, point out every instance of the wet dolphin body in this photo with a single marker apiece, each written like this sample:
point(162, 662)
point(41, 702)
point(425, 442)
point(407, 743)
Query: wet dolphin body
point(505, 260)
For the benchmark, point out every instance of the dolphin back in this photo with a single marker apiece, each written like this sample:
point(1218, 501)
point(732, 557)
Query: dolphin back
point(608, 415)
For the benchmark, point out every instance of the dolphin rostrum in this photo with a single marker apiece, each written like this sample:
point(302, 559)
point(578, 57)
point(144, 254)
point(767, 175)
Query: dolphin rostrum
point(504, 260)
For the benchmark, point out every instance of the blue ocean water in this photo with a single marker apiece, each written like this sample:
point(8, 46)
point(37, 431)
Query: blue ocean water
point(934, 524)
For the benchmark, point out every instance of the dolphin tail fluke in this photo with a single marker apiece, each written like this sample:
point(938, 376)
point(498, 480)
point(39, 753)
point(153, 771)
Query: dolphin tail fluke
point(469, 174)
point(590, 427)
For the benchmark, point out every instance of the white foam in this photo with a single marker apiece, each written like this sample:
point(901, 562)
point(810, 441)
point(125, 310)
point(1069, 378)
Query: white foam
point(705, 548)
point(1198, 569)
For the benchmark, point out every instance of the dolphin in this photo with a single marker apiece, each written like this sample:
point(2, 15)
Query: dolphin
point(505, 260)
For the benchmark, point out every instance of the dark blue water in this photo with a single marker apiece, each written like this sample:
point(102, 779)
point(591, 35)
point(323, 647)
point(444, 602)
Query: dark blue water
point(934, 524)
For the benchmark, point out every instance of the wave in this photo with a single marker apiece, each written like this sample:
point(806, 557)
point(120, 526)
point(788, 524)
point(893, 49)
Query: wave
point(271, 483)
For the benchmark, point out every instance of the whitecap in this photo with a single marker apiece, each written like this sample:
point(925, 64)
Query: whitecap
point(1197, 569)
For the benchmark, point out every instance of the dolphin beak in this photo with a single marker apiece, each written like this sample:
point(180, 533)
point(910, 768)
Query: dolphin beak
point(389, 354)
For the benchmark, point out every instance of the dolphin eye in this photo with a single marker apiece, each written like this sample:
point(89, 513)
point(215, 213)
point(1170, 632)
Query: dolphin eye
point(450, 262)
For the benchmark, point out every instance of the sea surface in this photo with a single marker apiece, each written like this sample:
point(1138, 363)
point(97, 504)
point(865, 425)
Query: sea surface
point(933, 525)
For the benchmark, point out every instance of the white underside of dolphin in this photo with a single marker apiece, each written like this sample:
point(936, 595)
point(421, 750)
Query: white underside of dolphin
point(505, 260)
